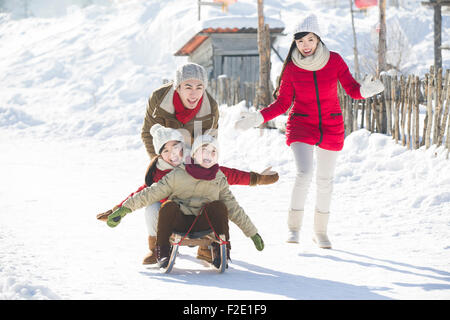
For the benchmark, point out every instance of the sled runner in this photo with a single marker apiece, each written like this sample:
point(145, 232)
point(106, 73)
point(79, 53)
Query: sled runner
point(204, 238)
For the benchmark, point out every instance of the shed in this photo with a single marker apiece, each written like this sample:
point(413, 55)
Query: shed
point(228, 45)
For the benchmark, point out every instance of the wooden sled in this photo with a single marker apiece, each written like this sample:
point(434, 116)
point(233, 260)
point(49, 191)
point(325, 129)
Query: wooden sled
point(204, 238)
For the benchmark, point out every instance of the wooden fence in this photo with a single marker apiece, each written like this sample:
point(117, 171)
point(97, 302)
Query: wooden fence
point(396, 111)
point(232, 91)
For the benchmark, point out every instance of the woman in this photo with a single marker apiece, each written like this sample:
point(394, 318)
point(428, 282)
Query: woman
point(308, 82)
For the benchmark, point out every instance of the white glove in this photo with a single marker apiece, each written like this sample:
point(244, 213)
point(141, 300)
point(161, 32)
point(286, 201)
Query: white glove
point(249, 120)
point(370, 88)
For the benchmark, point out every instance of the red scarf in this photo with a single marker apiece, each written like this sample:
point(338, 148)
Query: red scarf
point(198, 172)
point(182, 113)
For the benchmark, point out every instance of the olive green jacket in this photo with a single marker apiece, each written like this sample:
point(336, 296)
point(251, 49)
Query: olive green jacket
point(192, 194)
point(160, 109)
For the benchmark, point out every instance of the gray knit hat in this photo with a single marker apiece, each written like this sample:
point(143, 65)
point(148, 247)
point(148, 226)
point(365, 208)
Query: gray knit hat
point(309, 24)
point(190, 71)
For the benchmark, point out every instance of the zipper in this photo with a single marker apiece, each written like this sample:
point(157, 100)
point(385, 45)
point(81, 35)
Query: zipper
point(336, 114)
point(319, 108)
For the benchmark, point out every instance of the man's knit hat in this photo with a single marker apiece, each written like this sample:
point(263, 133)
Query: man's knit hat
point(308, 24)
point(161, 135)
point(202, 140)
point(190, 71)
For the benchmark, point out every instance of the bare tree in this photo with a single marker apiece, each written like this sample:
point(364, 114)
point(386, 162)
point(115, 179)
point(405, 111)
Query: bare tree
point(355, 46)
point(382, 47)
point(263, 92)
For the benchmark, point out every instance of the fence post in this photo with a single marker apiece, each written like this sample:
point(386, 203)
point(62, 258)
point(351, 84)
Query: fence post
point(437, 105)
point(410, 102)
point(429, 116)
point(396, 110)
point(446, 98)
point(388, 101)
point(416, 112)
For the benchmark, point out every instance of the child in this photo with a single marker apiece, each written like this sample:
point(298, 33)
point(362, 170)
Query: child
point(169, 147)
point(308, 82)
point(192, 190)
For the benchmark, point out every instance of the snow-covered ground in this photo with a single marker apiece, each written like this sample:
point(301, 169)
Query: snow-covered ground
point(72, 100)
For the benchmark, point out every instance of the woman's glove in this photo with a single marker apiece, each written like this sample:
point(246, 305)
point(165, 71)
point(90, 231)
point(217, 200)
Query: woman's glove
point(258, 241)
point(115, 217)
point(370, 88)
point(266, 177)
point(249, 120)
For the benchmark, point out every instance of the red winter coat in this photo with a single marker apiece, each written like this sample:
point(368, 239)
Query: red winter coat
point(316, 116)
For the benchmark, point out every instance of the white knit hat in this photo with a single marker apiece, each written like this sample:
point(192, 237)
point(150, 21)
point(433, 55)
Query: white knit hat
point(309, 24)
point(161, 135)
point(190, 71)
point(202, 140)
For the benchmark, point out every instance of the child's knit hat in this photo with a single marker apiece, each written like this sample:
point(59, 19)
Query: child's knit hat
point(308, 24)
point(202, 140)
point(190, 71)
point(161, 135)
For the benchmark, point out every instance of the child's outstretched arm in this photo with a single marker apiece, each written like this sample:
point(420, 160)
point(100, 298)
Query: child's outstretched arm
point(249, 178)
point(144, 198)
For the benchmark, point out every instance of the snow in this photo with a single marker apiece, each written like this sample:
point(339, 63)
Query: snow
point(74, 86)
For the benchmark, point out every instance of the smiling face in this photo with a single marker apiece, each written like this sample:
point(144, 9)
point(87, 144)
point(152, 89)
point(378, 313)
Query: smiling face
point(190, 92)
point(206, 156)
point(172, 153)
point(308, 44)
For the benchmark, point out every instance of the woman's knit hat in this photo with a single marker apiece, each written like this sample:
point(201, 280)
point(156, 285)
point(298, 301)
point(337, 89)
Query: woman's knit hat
point(161, 135)
point(190, 71)
point(308, 24)
point(202, 140)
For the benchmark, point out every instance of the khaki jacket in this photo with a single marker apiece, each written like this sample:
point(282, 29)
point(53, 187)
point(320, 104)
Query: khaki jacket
point(160, 109)
point(192, 194)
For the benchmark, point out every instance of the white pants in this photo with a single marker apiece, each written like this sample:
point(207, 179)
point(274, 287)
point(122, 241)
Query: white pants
point(151, 218)
point(326, 163)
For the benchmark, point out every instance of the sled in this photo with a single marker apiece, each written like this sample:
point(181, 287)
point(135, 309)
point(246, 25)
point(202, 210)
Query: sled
point(204, 238)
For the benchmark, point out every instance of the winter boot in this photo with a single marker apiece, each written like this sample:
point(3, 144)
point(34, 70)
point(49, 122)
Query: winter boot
point(104, 215)
point(320, 230)
point(163, 255)
point(295, 219)
point(150, 258)
point(204, 253)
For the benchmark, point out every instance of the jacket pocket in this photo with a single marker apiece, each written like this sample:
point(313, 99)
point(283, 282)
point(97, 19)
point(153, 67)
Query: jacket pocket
point(337, 114)
point(295, 114)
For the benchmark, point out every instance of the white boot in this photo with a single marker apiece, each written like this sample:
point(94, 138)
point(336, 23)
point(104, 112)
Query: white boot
point(295, 219)
point(320, 230)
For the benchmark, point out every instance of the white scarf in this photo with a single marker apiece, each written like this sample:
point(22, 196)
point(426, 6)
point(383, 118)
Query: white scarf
point(314, 62)
point(163, 165)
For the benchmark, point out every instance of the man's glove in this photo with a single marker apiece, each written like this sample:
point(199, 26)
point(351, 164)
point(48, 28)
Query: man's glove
point(115, 217)
point(258, 241)
point(266, 177)
point(370, 88)
point(249, 120)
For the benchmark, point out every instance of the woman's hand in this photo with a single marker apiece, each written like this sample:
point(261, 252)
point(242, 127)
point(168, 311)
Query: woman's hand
point(249, 120)
point(370, 88)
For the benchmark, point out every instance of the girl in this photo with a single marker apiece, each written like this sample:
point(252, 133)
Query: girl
point(308, 82)
point(191, 190)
